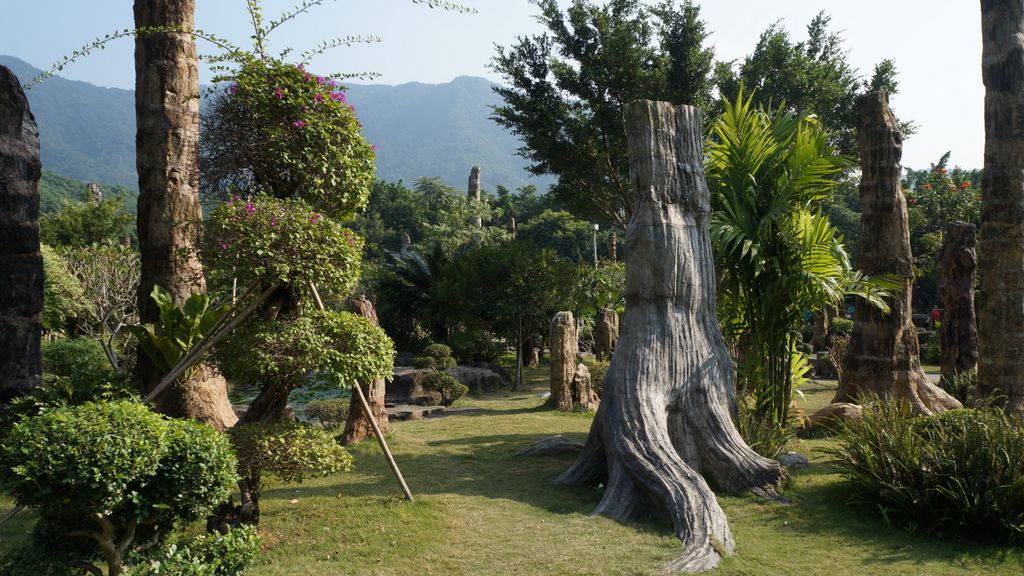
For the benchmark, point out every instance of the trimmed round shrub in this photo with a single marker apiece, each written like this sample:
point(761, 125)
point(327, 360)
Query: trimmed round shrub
point(446, 385)
point(841, 326)
point(424, 362)
point(329, 412)
point(70, 356)
point(289, 451)
point(437, 351)
point(960, 472)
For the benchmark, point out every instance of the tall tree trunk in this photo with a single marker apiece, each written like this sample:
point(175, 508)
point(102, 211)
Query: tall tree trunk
point(357, 425)
point(1001, 251)
point(167, 143)
point(665, 421)
point(883, 355)
point(21, 264)
point(957, 267)
point(606, 333)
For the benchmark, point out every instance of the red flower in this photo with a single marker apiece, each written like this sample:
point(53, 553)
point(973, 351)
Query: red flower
point(965, 185)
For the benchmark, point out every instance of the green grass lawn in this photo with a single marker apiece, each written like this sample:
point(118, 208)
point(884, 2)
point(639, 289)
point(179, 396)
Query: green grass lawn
point(480, 509)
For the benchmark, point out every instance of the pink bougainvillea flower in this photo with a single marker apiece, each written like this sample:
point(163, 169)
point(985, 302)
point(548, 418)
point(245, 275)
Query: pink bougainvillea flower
point(299, 123)
point(338, 96)
point(279, 94)
point(318, 98)
point(249, 208)
point(273, 221)
point(373, 147)
point(224, 245)
point(314, 219)
point(319, 79)
point(233, 89)
point(301, 67)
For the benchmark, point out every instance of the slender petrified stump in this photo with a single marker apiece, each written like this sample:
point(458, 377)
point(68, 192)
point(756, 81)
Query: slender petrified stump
point(883, 356)
point(958, 265)
point(473, 192)
point(665, 421)
point(357, 424)
point(21, 264)
point(1001, 250)
point(606, 333)
point(562, 336)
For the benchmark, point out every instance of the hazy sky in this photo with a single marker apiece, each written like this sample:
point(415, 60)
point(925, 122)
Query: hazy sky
point(936, 45)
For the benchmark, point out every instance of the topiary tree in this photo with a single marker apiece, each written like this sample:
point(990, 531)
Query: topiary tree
point(289, 451)
point(109, 478)
point(446, 385)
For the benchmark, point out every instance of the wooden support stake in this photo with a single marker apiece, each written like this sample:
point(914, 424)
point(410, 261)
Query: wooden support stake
point(373, 422)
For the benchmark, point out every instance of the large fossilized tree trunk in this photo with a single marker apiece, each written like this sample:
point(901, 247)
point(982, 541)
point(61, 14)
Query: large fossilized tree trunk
point(357, 425)
point(665, 421)
point(1001, 253)
point(21, 264)
point(167, 143)
point(883, 356)
point(563, 346)
point(957, 269)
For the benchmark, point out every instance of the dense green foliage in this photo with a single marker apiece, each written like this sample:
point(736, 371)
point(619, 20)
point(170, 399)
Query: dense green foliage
point(206, 555)
point(565, 90)
point(111, 472)
point(330, 412)
point(80, 223)
point(960, 472)
point(446, 385)
point(180, 328)
point(63, 295)
point(289, 451)
point(67, 357)
point(776, 253)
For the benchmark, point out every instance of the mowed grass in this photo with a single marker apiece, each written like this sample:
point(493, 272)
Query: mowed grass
point(482, 510)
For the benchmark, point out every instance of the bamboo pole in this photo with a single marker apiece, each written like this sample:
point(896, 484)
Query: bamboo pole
point(369, 415)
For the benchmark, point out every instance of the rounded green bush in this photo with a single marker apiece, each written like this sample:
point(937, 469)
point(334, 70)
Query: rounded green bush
point(329, 412)
point(438, 351)
point(424, 362)
point(71, 356)
point(446, 385)
point(290, 451)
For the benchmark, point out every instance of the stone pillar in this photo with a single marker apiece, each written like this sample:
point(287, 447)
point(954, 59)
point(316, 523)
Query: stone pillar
point(564, 347)
point(958, 266)
point(93, 194)
point(606, 333)
point(474, 192)
point(21, 263)
point(613, 247)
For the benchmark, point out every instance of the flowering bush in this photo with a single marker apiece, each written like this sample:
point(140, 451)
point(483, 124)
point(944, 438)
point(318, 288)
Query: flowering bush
point(282, 241)
point(283, 131)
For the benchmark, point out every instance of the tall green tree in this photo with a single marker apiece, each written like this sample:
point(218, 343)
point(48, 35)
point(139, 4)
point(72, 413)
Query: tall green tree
point(809, 77)
point(566, 89)
point(776, 253)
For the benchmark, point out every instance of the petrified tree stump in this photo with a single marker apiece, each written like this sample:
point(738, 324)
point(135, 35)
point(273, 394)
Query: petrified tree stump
point(1001, 253)
point(21, 264)
point(606, 333)
point(957, 267)
point(584, 396)
point(665, 421)
point(473, 192)
point(357, 425)
point(883, 356)
point(563, 360)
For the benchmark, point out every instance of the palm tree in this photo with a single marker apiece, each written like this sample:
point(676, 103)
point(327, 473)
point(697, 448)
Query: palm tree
point(777, 255)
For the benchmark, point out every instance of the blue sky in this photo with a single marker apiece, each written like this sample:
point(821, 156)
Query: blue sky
point(936, 45)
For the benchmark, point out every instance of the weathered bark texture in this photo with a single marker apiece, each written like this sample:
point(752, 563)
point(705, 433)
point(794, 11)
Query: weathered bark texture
point(665, 421)
point(613, 247)
point(883, 356)
point(606, 333)
point(21, 264)
point(474, 192)
point(357, 425)
point(584, 397)
point(563, 344)
point(167, 143)
point(958, 265)
point(1001, 251)
point(820, 338)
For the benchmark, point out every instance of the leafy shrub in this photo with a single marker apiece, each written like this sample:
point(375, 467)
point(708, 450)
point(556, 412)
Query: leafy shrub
point(446, 385)
point(760, 433)
point(289, 451)
point(424, 362)
point(114, 470)
point(180, 327)
point(961, 386)
point(961, 471)
point(329, 412)
point(597, 368)
point(63, 296)
point(207, 555)
point(841, 326)
point(807, 332)
point(437, 351)
point(70, 356)
point(931, 353)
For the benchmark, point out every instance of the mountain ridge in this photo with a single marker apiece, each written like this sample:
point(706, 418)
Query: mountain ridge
point(87, 132)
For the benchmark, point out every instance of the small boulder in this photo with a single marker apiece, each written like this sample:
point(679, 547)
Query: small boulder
point(793, 460)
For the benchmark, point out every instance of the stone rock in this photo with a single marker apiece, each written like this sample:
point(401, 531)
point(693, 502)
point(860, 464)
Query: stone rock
point(834, 414)
point(793, 460)
point(93, 193)
point(428, 398)
point(606, 333)
point(584, 396)
point(404, 412)
point(534, 358)
point(552, 445)
point(404, 385)
point(479, 380)
point(473, 192)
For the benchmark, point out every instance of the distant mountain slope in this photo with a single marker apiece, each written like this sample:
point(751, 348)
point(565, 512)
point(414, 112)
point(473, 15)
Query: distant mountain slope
point(55, 189)
point(88, 132)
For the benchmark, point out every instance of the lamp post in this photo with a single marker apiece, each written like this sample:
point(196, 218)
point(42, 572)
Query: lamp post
point(595, 245)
